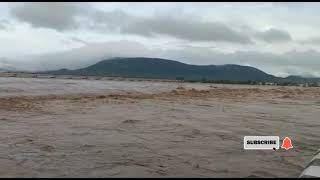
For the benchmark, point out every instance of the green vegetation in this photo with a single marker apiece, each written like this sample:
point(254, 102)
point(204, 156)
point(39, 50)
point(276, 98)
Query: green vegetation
point(168, 69)
point(155, 68)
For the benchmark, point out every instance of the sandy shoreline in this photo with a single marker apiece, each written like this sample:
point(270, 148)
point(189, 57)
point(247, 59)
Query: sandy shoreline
point(154, 130)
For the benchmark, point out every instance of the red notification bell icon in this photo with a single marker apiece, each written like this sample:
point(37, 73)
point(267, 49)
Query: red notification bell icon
point(286, 143)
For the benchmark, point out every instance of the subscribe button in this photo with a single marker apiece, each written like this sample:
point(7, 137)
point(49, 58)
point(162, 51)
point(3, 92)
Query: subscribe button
point(261, 142)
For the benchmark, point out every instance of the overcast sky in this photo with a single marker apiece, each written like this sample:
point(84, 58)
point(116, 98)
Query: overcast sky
point(279, 38)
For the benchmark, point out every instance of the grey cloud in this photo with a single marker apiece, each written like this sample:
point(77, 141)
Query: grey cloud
point(166, 25)
point(68, 16)
point(4, 21)
point(111, 20)
point(295, 5)
point(314, 40)
point(78, 40)
point(185, 29)
point(4, 24)
point(59, 16)
point(6, 64)
point(83, 56)
point(274, 35)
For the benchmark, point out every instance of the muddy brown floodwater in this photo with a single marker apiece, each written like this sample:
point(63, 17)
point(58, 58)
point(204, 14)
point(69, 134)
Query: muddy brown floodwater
point(83, 128)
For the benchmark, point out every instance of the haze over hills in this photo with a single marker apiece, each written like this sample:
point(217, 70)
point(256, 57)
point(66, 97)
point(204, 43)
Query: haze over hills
point(7, 69)
point(142, 67)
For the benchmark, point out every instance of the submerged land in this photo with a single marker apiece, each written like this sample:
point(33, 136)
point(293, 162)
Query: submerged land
point(111, 128)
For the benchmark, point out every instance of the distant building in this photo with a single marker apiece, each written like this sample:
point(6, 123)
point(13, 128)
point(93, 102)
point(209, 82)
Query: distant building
point(271, 83)
point(46, 76)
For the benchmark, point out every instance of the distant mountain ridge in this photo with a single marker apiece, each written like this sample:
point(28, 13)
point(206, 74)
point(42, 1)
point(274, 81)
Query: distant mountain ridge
point(142, 67)
point(7, 69)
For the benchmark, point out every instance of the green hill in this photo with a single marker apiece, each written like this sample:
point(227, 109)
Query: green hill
point(168, 69)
